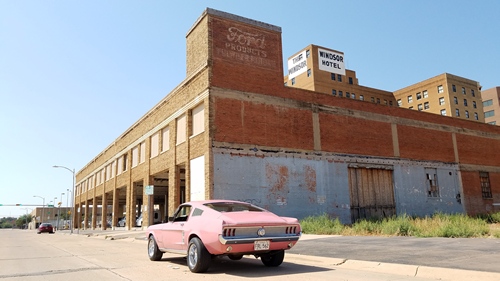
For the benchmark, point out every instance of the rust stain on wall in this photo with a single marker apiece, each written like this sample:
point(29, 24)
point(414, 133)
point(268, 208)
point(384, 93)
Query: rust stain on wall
point(277, 176)
point(310, 178)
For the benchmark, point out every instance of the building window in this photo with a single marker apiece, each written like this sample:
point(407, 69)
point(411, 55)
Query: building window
point(142, 152)
point(487, 103)
point(490, 113)
point(410, 99)
point(198, 120)
point(347, 95)
point(286, 84)
point(441, 101)
point(135, 157)
point(155, 144)
point(400, 102)
point(181, 129)
point(390, 102)
point(443, 112)
point(353, 95)
point(485, 185)
point(420, 107)
point(361, 97)
point(440, 89)
point(432, 183)
point(308, 53)
point(378, 100)
point(341, 94)
point(309, 72)
point(472, 93)
point(339, 78)
point(372, 99)
point(467, 114)
point(492, 122)
point(333, 76)
point(165, 139)
point(463, 91)
point(457, 112)
point(453, 88)
point(455, 99)
point(465, 102)
point(293, 81)
point(411, 107)
point(474, 104)
point(350, 80)
point(419, 95)
point(476, 116)
point(426, 105)
point(334, 92)
point(425, 94)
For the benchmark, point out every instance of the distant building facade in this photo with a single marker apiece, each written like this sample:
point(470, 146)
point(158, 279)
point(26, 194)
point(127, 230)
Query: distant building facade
point(322, 70)
point(491, 106)
point(445, 94)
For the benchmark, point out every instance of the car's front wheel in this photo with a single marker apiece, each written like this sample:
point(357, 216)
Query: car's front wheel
point(273, 259)
point(198, 258)
point(153, 252)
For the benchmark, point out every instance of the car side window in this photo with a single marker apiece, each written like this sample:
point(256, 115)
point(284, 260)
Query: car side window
point(182, 214)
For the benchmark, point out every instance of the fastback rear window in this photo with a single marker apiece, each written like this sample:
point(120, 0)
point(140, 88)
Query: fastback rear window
point(233, 207)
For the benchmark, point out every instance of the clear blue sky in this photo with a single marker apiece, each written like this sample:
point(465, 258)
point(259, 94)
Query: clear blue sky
point(74, 75)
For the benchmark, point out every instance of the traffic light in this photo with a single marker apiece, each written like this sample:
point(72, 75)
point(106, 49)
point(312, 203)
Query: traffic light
point(19, 204)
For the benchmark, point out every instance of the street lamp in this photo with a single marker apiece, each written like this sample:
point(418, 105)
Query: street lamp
point(43, 206)
point(72, 197)
point(26, 217)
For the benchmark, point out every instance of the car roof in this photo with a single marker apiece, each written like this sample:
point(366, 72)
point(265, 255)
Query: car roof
point(203, 202)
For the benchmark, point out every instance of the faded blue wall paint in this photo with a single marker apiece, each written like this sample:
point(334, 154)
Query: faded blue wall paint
point(286, 186)
point(411, 191)
point(299, 187)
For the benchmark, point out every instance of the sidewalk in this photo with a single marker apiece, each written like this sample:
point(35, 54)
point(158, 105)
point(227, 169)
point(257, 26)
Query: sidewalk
point(417, 271)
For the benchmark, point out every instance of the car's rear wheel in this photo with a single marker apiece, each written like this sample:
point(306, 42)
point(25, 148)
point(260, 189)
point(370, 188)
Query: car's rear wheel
point(198, 258)
point(153, 252)
point(273, 259)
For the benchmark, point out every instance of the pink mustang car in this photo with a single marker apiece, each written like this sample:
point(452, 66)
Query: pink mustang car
point(205, 229)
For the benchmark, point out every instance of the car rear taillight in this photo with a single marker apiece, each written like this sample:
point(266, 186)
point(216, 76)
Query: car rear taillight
point(291, 230)
point(229, 232)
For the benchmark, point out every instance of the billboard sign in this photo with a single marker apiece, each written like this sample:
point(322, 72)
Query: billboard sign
point(331, 61)
point(297, 65)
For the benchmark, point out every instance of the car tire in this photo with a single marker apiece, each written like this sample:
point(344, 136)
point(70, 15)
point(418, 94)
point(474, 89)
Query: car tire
point(38, 232)
point(273, 259)
point(198, 258)
point(153, 252)
point(235, 257)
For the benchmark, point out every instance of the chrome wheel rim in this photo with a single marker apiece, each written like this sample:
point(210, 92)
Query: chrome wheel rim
point(151, 248)
point(193, 255)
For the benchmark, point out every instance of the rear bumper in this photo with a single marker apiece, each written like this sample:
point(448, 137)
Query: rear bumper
point(236, 241)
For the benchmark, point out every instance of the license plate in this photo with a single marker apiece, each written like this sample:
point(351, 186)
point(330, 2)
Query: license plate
point(261, 245)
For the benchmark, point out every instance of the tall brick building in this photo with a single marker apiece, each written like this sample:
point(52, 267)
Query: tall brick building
point(232, 130)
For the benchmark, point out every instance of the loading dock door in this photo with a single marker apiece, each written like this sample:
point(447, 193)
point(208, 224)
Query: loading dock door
point(372, 193)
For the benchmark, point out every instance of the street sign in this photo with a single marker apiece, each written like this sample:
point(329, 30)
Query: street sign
point(149, 190)
point(50, 206)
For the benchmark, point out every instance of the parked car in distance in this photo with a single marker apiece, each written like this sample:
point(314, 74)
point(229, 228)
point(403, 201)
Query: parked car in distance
point(205, 229)
point(122, 222)
point(45, 227)
point(156, 219)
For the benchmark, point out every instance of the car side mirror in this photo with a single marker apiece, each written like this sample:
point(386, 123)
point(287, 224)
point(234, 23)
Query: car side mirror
point(170, 219)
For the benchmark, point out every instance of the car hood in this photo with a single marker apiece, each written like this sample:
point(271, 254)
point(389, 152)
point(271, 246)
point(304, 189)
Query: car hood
point(252, 218)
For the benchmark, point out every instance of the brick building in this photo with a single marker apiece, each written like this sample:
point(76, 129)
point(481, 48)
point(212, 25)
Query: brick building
point(491, 106)
point(232, 130)
point(445, 94)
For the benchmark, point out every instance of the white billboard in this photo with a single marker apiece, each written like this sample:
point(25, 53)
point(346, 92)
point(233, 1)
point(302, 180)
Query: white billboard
point(331, 61)
point(297, 65)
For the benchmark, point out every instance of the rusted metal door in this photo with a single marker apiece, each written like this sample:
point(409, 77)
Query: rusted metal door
point(372, 193)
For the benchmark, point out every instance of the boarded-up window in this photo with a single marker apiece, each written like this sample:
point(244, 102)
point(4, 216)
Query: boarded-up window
point(135, 156)
point(485, 185)
point(181, 129)
point(198, 119)
point(432, 182)
point(142, 154)
point(197, 178)
point(113, 169)
point(119, 166)
point(165, 139)
point(372, 193)
point(103, 174)
point(108, 172)
point(154, 144)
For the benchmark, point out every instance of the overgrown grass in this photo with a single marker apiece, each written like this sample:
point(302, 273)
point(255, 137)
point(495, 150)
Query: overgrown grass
point(439, 225)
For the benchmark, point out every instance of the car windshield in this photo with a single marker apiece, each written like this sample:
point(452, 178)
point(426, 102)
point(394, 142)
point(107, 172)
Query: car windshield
point(233, 207)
